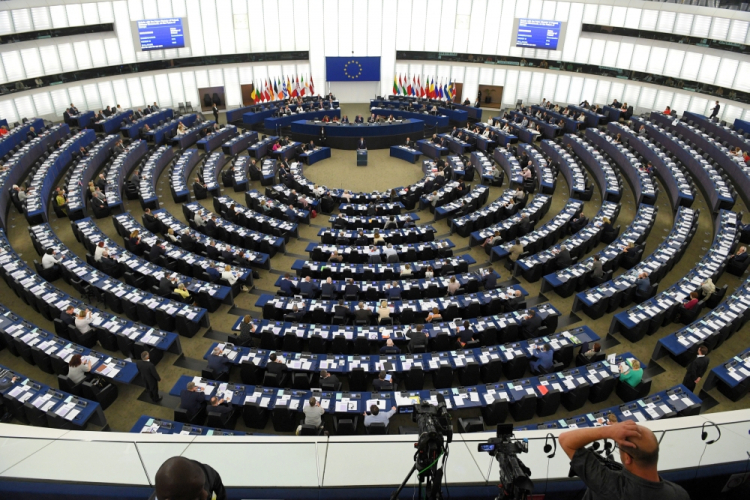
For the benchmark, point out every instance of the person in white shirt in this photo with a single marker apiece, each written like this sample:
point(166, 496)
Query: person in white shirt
point(199, 221)
point(389, 250)
point(231, 277)
point(486, 132)
point(49, 261)
point(77, 369)
point(378, 417)
point(581, 118)
point(84, 320)
point(99, 251)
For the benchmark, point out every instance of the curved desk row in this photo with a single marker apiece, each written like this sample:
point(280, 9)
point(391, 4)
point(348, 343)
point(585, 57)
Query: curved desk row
point(329, 236)
point(78, 182)
point(717, 192)
point(721, 132)
point(119, 171)
point(138, 305)
point(634, 322)
point(239, 143)
point(24, 158)
point(215, 139)
point(356, 222)
point(278, 122)
point(509, 164)
point(548, 130)
point(679, 187)
point(546, 176)
point(575, 175)
point(533, 267)
point(46, 177)
point(644, 188)
point(564, 282)
point(377, 136)
point(509, 228)
point(377, 272)
point(406, 252)
point(18, 134)
point(192, 134)
point(440, 121)
point(277, 205)
point(570, 124)
point(608, 182)
point(212, 165)
point(133, 130)
point(129, 336)
point(543, 237)
point(150, 173)
point(113, 123)
point(179, 172)
point(617, 292)
point(277, 231)
point(494, 213)
point(163, 133)
point(259, 113)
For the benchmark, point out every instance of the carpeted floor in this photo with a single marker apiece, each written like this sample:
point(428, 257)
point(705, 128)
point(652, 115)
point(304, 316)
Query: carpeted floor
point(381, 173)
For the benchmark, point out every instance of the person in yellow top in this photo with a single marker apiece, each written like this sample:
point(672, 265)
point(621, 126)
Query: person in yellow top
point(182, 291)
point(62, 202)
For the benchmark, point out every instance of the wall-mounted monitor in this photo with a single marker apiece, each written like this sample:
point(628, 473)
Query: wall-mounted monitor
point(539, 34)
point(159, 34)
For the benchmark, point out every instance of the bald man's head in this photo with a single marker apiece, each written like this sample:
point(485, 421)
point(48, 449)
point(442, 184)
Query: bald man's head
point(180, 479)
point(645, 455)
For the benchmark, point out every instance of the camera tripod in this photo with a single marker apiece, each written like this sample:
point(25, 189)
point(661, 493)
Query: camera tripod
point(432, 475)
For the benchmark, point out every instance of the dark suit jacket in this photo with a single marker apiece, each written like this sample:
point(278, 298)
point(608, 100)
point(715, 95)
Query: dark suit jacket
point(68, 319)
point(276, 368)
point(331, 379)
point(287, 287)
point(148, 373)
point(530, 326)
point(305, 287)
point(219, 364)
point(416, 339)
point(362, 144)
point(221, 409)
point(362, 314)
point(382, 385)
point(191, 401)
point(351, 290)
point(697, 368)
point(166, 286)
point(155, 252)
point(212, 252)
point(563, 259)
point(490, 281)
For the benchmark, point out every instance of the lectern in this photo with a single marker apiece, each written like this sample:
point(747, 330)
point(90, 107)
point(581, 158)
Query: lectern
point(361, 157)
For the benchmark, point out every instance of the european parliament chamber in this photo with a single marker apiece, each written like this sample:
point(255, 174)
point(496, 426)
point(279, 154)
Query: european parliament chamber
point(339, 249)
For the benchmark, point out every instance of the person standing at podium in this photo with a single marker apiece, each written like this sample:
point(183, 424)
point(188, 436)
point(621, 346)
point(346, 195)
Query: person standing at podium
point(362, 145)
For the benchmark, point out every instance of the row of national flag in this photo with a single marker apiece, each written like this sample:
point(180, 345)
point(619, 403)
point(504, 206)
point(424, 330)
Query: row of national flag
point(272, 89)
point(413, 86)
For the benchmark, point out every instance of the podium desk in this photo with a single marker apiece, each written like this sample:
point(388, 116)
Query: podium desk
point(361, 157)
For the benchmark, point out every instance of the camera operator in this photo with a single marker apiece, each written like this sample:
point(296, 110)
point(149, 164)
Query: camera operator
point(639, 453)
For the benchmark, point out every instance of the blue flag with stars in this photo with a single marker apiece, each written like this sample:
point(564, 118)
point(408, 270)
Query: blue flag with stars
point(353, 69)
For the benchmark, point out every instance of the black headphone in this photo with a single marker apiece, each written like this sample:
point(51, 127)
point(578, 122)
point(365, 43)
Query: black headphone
point(548, 447)
point(704, 434)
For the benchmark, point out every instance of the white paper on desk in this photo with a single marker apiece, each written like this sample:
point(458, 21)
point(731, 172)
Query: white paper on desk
point(735, 375)
point(530, 391)
point(639, 416)
point(474, 396)
point(665, 409)
point(687, 402)
point(17, 390)
point(294, 404)
point(489, 399)
point(25, 397)
point(341, 406)
point(72, 414)
point(265, 401)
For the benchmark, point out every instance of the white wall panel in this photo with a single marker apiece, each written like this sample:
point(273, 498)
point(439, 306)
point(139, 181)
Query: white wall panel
point(331, 28)
point(375, 27)
point(40, 18)
point(225, 24)
point(124, 37)
point(150, 9)
point(691, 66)
point(233, 93)
point(742, 80)
point(317, 46)
point(91, 93)
point(32, 63)
point(164, 8)
point(176, 91)
point(701, 26)
point(6, 22)
point(719, 28)
point(521, 11)
point(509, 91)
point(163, 91)
point(535, 9)
point(98, 53)
point(210, 27)
point(135, 7)
point(447, 25)
point(499, 78)
point(135, 92)
point(106, 14)
point(76, 96)
point(418, 22)
point(25, 107)
point(301, 26)
point(360, 29)
point(615, 92)
point(603, 16)
point(148, 86)
point(680, 102)
point(106, 94)
point(486, 76)
point(737, 31)
point(697, 105)
point(14, 69)
point(505, 28)
point(584, 50)
point(589, 14)
point(550, 83)
point(646, 98)
point(191, 89)
point(60, 101)
point(471, 83)
point(576, 87)
point(43, 104)
point(476, 28)
point(561, 91)
point(403, 23)
point(8, 111)
point(611, 49)
point(633, 18)
point(631, 94)
point(462, 26)
point(112, 49)
point(491, 26)
point(596, 53)
point(22, 20)
point(345, 28)
point(432, 36)
point(726, 73)
point(619, 14)
point(683, 23)
point(649, 19)
point(75, 14)
point(573, 31)
point(522, 89)
point(673, 64)
point(666, 21)
point(709, 67)
point(588, 93)
point(602, 92)
point(656, 60)
point(258, 33)
point(287, 18)
point(639, 61)
point(625, 55)
point(59, 16)
point(246, 75)
point(83, 55)
point(731, 113)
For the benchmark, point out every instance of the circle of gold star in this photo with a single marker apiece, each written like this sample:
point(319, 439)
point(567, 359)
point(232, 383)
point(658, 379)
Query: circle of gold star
point(346, 69)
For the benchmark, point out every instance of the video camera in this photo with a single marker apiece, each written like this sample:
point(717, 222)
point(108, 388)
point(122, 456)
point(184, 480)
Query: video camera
point(435, 429)
point(514, 475)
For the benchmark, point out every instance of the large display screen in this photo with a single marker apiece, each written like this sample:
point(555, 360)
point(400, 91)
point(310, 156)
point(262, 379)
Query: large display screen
point(156, 34)
point(538, 34)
